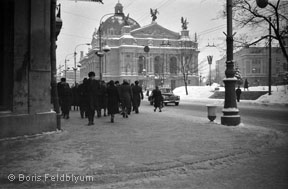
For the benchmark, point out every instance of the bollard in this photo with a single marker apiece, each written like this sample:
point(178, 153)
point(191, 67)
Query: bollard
point(211, 112)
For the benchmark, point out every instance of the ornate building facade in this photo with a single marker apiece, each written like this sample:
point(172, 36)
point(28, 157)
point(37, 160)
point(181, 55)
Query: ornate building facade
point(253, 63)
point(167, 55)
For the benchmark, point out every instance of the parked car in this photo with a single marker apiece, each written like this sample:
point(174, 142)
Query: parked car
point(168, 97)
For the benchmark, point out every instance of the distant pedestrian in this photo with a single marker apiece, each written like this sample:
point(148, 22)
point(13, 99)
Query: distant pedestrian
point(246, 85)
point(65, 97)
point(157, 98)
point(137, 96)
point(102, 99)
point(93, 91)
point(147, 92)
point(126, 97)
point(75, 96)
point(238, 93)
point(113, 100)
point(83, 101)
point(117, 85)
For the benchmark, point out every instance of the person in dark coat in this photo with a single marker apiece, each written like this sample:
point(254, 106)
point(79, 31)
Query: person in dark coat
point(117, 84)
point(137, 96)
point(238, 93)
point(158, 99)
point(65, 97)
point(83, 102)
point(75, 97)
point(126, 97)
point(93, 92)
point(102, 99)
point(246, 85)
point(113, 100)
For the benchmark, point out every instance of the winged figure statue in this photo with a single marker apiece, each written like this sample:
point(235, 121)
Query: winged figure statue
point(184, 23)
point(153, 14)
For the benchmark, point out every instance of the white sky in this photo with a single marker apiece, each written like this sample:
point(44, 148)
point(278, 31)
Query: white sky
point(81, 18)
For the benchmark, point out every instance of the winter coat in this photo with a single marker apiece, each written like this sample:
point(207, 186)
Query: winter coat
point(75, 96)
point(246, 84)
point(238, 92)
point(126, 95)
point(83, 97)
point(113, 99)
point(65, 94)
point(137, 95)
point(93, 93)
point(103, 96)
point(157, 96)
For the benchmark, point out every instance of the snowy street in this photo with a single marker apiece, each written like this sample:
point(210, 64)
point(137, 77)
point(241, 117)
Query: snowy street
point(176, 148)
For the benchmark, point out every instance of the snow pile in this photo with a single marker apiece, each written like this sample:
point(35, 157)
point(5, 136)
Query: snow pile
point(279, 94)
point(195, 92)
point(275, 97)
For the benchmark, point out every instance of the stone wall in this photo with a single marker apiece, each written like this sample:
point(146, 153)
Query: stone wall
point(31, 111)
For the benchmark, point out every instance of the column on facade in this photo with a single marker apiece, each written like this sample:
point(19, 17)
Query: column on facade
point(179, 64)
point(165, 63)
point(105, 65)
point(134, 63)
point(151, 63)
point(121, 58)
point(147, 63)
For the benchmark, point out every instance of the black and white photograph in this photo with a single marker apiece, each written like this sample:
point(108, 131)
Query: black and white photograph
point(144, 94)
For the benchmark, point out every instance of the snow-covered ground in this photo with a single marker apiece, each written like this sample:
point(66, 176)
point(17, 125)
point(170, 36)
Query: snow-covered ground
point(279, 94)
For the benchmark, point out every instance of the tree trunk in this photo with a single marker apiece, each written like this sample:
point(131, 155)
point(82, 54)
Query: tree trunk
point(185, 82)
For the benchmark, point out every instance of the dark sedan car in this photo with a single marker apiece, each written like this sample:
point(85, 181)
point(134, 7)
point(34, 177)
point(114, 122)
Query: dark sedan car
point(168, 97)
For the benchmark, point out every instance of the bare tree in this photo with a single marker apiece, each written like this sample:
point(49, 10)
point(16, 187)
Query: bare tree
point(275, 14)
point(187, 66)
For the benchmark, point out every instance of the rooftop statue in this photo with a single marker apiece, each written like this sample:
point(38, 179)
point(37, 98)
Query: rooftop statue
point(126, 18)
point(184, 23)
point(153, 14)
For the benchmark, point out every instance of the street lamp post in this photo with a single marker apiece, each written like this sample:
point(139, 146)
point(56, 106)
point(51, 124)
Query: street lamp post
point(230, 111)
point(65, 68)
point(66, 60)
point(210, 58)
point(99, 53)
point(75, 67)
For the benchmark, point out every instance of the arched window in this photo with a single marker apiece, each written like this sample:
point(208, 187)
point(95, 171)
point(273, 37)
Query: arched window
point(158, 65)
point(141, 64)
point(173, 65)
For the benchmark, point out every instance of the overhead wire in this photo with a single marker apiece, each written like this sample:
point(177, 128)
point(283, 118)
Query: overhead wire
point(129, 4)
point(78, 15)
point(72, 35)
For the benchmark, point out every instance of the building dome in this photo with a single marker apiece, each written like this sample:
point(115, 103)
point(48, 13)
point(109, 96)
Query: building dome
point(114, 24)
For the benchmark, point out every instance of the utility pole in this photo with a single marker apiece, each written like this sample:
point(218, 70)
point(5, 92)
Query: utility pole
point(270, 59)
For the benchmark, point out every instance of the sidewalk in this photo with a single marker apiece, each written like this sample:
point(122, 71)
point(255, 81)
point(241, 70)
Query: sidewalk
point(142, 146)
point(242, 103)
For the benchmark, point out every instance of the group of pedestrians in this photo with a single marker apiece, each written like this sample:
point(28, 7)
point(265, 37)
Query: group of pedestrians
point(95, 96)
